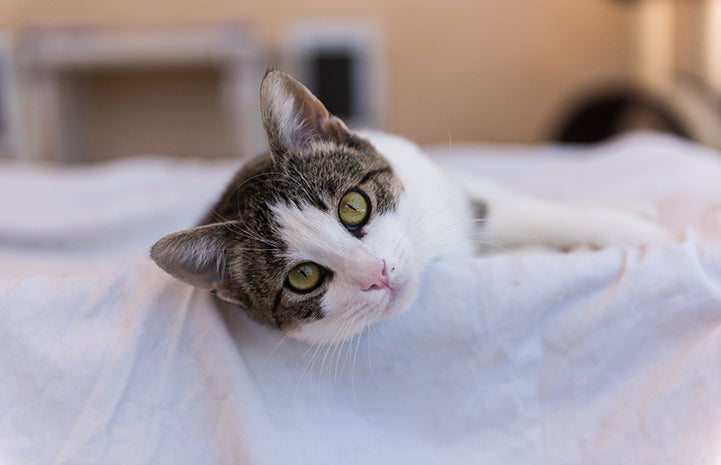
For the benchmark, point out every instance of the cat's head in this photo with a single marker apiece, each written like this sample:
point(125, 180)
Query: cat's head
point(311, 238)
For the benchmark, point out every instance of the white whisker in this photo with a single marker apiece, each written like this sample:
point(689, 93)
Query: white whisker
point(275, 348)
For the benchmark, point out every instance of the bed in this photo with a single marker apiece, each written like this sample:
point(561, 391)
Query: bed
point(593, 357)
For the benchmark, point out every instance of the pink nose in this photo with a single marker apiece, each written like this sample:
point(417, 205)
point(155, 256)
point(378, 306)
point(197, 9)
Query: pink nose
point(375, 277)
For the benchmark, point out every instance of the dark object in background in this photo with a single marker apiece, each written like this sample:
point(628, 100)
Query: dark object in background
point(334, 84)
point(609, 113)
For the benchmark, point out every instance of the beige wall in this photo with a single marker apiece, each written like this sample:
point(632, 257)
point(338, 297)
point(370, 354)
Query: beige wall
point(477, 70)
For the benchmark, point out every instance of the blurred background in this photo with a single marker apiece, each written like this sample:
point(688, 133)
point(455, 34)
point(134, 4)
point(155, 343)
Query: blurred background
point(88, 80)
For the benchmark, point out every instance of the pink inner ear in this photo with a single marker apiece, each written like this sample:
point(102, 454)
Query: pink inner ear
point(293, 117)
point(194, 256)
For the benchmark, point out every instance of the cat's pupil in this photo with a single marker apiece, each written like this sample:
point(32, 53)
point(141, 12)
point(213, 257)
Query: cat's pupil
point(305, 277)
point(354, 209)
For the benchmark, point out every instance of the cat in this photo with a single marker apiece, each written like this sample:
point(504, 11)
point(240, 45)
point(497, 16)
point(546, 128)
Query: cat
point(331, 230)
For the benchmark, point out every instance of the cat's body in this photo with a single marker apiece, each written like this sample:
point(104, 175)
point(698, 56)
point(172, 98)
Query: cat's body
point(332, 230)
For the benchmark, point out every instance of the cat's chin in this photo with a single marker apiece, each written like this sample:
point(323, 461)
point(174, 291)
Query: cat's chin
point(337, 328)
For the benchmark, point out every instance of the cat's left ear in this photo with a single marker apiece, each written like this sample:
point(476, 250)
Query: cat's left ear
point(294, 118)
point(196, 256)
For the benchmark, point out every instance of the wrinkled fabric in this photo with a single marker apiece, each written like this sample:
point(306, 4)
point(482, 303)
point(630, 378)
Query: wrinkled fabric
point(599, 357)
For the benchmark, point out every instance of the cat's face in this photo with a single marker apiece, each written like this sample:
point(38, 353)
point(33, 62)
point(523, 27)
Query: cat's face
point(312, 238)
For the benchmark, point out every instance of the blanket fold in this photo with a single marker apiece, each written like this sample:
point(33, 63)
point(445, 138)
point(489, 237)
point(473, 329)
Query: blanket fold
point(594, 357)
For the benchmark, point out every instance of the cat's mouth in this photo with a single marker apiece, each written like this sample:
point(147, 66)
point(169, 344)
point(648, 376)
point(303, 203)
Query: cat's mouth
point(379, 304)
point(400, 295)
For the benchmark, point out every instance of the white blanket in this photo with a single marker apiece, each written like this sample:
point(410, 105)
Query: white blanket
point(584, 358)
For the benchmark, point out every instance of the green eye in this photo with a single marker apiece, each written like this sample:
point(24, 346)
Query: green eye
point(353, 209)
point(305, 277)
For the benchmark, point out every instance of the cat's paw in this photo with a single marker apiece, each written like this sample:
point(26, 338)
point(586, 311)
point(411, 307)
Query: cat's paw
point(639, 208)
point(616, 227)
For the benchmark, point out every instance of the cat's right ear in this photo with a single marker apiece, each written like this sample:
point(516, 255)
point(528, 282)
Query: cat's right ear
point(294, 118)
point(196, 256)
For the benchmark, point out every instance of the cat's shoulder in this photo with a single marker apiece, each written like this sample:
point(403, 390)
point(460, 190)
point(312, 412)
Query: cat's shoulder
point(408, 160)
point(392, 146)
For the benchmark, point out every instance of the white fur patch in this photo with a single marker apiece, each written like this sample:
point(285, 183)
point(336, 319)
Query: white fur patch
point(437, 213)
point(432, 220)
point(317, 236)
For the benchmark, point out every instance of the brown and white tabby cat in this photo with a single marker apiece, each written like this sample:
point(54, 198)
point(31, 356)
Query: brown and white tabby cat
point(331, 230)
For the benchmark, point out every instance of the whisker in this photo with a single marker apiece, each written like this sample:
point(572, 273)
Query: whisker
point(370, 360)
point(353, 365)
point(334, 345)
point(338, 326)
point(317, 346)
point(345, 336)
point(497, 246)
point(275, 349)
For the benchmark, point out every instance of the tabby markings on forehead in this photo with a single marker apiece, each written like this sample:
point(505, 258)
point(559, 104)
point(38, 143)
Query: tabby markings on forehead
point(374, 173)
